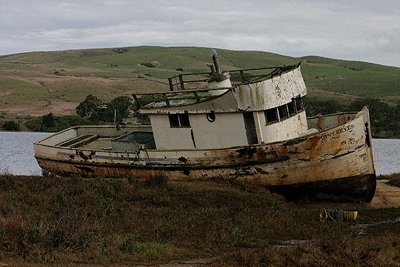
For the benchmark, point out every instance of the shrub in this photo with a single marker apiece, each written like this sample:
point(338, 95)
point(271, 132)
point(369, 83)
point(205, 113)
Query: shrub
point(157, 180)
point(148, 64)
point(10, 126)
point(51, 123)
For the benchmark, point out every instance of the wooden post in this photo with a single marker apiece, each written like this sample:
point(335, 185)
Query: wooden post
point(166, 100)
point(171, 85)
point(136, 100)
point(242, 76)
point(196, 95)
point(181, 82)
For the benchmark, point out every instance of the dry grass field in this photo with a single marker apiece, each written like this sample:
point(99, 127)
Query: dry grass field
point(52, 221)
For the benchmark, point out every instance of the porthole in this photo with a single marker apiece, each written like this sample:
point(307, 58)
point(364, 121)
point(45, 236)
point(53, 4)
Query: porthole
point(211, 116)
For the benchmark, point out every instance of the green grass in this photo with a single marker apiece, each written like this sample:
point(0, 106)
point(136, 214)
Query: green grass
point(338, 79)
point(20, 93)
point(76, 90)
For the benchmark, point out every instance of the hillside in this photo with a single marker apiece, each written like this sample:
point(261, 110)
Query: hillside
point(41, 82)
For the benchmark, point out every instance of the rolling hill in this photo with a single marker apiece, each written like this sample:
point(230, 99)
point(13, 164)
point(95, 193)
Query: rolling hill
point(37, 83)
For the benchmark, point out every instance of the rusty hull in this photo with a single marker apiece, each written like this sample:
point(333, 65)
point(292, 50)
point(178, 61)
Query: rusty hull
point(335, 163)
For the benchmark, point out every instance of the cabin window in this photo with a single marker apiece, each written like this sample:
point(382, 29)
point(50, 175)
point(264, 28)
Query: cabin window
point(271, 115)
point(179, 120)
point(283, 112)
point(299, 103)
point(184, 119)
point(291, 108)
point(173, 120)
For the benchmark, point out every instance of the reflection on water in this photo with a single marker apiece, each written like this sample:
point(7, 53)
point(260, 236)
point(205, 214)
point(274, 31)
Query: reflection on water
point(16, 154)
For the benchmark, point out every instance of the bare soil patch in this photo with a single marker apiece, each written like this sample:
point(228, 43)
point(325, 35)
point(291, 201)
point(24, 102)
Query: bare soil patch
point(386, 195)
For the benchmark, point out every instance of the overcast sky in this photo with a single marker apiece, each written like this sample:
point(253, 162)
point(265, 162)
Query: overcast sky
point(356, 30)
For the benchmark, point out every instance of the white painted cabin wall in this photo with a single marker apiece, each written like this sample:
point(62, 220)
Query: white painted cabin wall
point(286, 129)
point(270, 93)
point(226, 131)
point(167, 138)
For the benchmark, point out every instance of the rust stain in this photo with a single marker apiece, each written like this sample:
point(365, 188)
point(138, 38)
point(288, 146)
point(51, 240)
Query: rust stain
point(183, 159)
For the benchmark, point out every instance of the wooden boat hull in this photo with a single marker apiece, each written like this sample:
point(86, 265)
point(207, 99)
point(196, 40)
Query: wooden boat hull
point(334, 164)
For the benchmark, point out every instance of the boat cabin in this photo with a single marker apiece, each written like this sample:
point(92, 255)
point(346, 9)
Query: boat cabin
point(259, 109)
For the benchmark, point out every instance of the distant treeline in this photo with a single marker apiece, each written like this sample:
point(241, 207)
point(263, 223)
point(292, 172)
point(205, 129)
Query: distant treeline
point(385, 118)
point(52, 123)
point(90, 111)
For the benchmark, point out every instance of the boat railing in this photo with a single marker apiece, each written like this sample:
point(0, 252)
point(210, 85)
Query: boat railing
point(172, 98)
point(194, 81)
point(192, 87)
point(188, 81)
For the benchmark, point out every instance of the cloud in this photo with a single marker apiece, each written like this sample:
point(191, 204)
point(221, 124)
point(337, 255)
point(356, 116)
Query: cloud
point(359, 29)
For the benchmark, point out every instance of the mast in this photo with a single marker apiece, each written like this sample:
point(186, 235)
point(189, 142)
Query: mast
point(218, 78)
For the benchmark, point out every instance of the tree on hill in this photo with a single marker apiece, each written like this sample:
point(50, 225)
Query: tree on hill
point(48, 120)
point(89, 107)
point(122, 106)
point(97, 111)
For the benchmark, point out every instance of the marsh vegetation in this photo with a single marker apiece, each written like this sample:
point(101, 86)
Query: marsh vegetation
point(46, 219)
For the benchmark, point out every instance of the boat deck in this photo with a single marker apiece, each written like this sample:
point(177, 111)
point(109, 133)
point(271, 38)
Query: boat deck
point(102, 143)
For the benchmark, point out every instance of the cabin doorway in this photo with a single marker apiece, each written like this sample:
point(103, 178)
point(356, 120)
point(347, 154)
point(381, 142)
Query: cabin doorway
point(250, 126)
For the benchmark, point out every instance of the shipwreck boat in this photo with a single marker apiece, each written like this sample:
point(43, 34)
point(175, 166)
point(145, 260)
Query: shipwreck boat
point(253, 130)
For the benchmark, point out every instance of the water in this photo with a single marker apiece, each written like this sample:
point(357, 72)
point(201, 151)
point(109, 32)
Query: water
point(16, 154)
point(386, 155)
